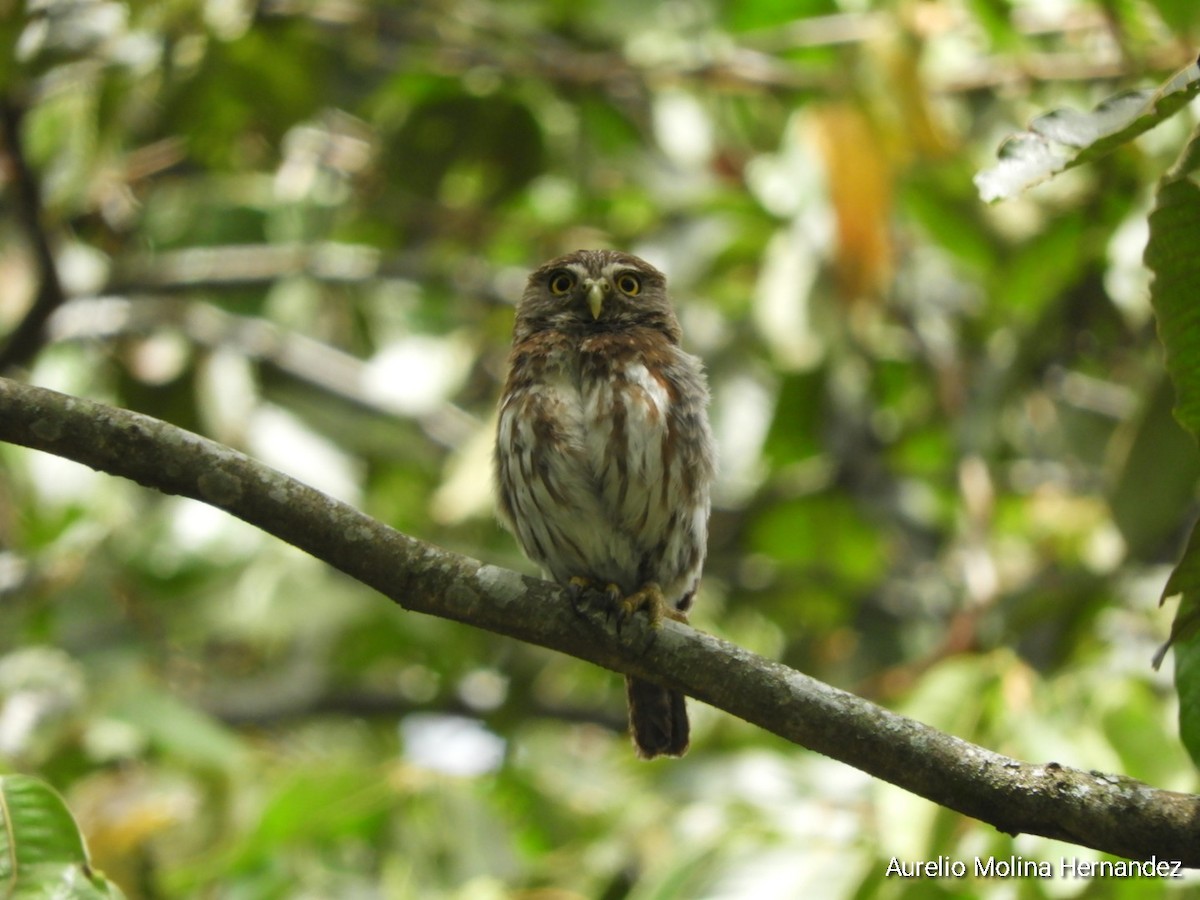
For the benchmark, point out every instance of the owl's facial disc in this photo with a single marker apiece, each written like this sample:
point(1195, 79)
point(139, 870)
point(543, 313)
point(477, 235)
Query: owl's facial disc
point(576, 281)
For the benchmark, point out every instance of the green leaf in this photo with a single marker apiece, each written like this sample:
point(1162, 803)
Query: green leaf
point(1066, 138)
point(1147, 511)
point(1187, 685)
point(1181, 16)
point(468, 149)
point(1184, 583)
point(41, 850)
point(180, 730)
point(1170, 255)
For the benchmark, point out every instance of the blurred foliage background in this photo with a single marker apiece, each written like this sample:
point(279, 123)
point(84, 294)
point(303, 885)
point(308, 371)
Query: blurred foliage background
point(950, 477)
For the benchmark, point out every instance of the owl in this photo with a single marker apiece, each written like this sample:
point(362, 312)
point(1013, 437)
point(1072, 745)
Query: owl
point(604, 457)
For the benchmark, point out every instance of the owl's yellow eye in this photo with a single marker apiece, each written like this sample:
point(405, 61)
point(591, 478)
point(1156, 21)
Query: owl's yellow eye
point(561, 282)
point(628, 283)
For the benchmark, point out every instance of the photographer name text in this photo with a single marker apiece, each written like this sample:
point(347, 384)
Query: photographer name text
point(1020, 867)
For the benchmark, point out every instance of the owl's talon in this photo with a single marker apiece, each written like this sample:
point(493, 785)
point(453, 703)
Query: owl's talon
point(581, 592)
point(607, 608)
point(576, 588)
point(649, 600)
point(598, 604)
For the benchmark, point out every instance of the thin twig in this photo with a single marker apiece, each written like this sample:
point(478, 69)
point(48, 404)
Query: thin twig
point(27, 338)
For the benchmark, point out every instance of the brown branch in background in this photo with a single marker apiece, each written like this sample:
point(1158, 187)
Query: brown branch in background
point(29, 335)
point(238, 711)
point(297, 356)
point(1112, 813)
point(232, 266)
point(248, 265)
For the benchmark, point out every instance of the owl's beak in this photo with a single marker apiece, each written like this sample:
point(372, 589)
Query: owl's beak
point(595, 296)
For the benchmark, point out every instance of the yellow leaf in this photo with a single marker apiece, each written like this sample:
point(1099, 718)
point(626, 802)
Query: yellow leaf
point(860, 191)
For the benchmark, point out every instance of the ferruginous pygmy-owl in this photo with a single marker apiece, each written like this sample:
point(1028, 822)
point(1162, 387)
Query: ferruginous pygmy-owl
point(604, 457)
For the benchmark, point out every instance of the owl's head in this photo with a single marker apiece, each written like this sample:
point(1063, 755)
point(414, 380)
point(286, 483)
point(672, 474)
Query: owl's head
point(591, 291)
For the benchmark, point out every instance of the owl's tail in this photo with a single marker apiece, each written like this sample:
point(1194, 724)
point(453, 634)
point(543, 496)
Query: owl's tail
point(658, 719)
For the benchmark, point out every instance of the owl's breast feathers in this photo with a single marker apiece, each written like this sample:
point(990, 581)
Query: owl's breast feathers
point(609, 439)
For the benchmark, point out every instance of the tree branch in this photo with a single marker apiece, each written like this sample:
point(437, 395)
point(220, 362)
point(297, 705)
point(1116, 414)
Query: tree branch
point(1108, 812)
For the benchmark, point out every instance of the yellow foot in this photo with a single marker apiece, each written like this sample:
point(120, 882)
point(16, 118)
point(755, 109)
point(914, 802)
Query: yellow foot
point(649, 598)
point(649, 601)
point(607, 608)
